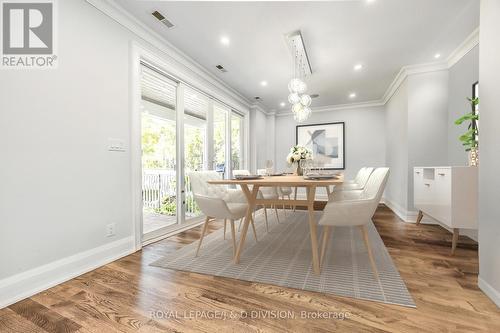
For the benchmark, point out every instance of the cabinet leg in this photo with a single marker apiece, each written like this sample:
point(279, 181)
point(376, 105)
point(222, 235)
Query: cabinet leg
point(456, 233)
point(419, 217)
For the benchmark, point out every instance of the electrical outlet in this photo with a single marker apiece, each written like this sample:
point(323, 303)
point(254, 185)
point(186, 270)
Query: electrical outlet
point(111, 230)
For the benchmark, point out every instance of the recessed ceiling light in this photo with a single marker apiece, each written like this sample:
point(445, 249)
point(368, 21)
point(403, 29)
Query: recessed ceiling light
point(282, 104)
point(437, 55)
point(352, 95)
point(263, 83)
point(358, 67)
point(370, 1)
point(224, 40)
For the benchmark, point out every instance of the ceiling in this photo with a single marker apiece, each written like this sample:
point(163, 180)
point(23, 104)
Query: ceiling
point(383, 36)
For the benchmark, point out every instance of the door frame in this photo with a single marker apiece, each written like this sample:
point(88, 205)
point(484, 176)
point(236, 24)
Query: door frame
point(140, 52)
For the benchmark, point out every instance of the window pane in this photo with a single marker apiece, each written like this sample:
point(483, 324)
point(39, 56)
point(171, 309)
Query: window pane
point(237, 141)
point(220, 117)
point(195, 129)
point(158, 135)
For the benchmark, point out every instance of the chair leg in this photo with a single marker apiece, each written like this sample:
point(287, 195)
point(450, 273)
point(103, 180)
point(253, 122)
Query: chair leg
point(364, 230)
point(225, 222)
point(324, 242)
point(239, 225)
point(203, 231)
point(265, 215)
point(276, 211)
point(233, 235)
point(254, 231)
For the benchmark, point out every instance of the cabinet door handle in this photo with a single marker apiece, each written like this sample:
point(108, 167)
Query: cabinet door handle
point(442, 174)
point(417, 172)
point(426, 184)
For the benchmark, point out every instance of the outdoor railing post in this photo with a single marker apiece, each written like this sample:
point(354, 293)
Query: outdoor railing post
point(159, 191)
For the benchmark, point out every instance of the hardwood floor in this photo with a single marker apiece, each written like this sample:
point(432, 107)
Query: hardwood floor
point(130, 296)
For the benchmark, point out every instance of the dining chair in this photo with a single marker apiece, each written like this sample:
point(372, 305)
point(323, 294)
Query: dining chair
point(244, 172)
point(269, 192)
point(355, 209)
point(216, 202)
point(358, 183)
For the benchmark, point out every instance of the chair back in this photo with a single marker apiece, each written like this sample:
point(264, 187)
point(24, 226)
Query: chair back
point(262, 172)
point(364, 176)
point(241, 173)
point(199, 183)
point(376, 185)
point(359, 175)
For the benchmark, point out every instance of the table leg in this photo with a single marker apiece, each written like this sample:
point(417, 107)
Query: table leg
point(295, 198)
point(311, 192)
point(251, 197)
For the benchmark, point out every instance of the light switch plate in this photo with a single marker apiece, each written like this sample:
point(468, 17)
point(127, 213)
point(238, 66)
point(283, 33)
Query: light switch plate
point(116, 145)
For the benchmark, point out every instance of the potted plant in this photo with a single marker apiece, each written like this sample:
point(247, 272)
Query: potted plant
point(297, 154)
point(470, 139)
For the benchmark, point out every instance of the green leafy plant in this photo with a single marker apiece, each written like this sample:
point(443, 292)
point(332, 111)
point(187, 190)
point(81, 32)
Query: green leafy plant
point(470, 138)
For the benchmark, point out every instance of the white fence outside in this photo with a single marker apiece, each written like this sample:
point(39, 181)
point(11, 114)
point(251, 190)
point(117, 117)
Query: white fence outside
point(158, 185)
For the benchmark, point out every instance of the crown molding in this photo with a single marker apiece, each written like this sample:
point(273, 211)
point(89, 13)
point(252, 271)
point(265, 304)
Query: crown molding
point(258, 106)
point(117, 13)
point(412, 70)
point(338, 107)
point(467, 45)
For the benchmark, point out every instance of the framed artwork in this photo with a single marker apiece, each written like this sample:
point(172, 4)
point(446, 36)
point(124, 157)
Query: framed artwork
point(326, 141)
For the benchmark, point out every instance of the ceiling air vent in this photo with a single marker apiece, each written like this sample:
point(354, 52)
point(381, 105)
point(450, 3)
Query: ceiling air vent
point(221, 68)
point(162, 19)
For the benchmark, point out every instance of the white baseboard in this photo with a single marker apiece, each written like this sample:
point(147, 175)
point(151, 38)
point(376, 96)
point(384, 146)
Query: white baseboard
point(408, 216)
point(491, 292)
point(29, 283)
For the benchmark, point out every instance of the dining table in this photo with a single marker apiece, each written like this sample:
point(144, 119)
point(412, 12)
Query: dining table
point(250, 188)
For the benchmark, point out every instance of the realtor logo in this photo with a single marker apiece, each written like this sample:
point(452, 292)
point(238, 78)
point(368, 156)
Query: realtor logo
point(28, 34)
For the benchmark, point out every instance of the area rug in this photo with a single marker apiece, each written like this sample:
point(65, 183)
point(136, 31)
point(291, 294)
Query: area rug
point(282, 257)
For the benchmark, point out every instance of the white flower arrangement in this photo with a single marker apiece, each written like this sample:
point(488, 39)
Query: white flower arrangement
point(298, 153)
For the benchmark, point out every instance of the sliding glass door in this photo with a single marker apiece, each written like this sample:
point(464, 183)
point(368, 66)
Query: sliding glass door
point(159, 140)
point(237, 139)
point(182, 131)
point(196, 108)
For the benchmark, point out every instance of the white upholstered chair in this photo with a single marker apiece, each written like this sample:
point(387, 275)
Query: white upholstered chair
point(217, 202)
point(358, 183)
point(269, 192)
point(354, 208)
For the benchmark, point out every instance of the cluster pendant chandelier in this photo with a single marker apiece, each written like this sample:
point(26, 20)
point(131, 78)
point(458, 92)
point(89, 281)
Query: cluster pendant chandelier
point(298, 98)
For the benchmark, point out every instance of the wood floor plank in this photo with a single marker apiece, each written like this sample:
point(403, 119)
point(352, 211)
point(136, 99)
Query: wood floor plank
point(129, 295)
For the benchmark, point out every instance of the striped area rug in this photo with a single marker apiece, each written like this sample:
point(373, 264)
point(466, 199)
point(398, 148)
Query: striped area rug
point(282, 257)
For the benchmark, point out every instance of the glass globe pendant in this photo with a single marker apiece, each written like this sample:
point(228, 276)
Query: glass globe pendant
point(305, 100)
point(297, 86)
point(294, 98)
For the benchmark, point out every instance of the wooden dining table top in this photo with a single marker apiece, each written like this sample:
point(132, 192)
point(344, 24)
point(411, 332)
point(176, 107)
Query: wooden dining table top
point(285, 180)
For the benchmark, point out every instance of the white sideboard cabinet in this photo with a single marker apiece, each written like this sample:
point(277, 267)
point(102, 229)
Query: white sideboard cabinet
point(448, 195)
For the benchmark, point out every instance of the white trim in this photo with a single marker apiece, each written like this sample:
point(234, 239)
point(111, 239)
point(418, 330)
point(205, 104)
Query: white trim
point(29, 283)
point(408, 216)
point(411, 70)
point(337, 107)
point(172, 233)
point(180, 64)
point(489, 291)
point(467, 45)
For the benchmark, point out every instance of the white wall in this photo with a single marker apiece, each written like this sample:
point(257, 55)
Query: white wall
point(365, 135)
point(260, 138)
point(396, 126)
point(462, 76)
point(489, 179)
point(417, 127)
point(427, 123)
point(60, 186)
